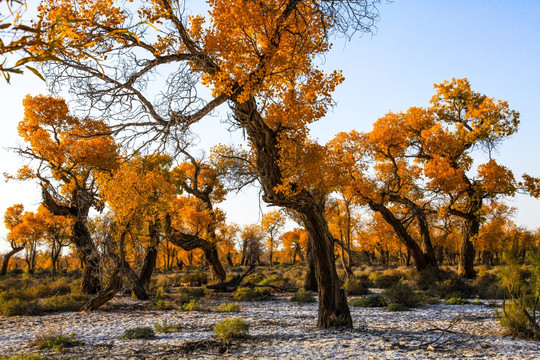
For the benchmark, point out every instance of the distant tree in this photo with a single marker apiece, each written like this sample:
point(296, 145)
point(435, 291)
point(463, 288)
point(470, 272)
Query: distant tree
point(12, 218)
point(272, 224)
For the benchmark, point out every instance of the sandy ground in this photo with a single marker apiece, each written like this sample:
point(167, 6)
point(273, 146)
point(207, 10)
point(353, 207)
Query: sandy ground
point(279, 330)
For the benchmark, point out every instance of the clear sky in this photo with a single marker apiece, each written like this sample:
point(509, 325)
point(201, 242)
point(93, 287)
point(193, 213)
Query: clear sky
point(496, 44)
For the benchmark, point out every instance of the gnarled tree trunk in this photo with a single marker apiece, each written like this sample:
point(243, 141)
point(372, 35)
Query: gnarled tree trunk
point(91, 281)
point(148, 267)
point(189, 242)
point(333, 308)
point(423, 260)
point(8, 256)
point(467, 252)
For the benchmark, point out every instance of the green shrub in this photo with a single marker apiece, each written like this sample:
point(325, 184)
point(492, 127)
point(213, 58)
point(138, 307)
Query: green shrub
point(63, 303)
point(427, 279)
point(195, 279)
point(18, 306)
point(400, 294)
point(23, 357)
point(302, 296)
point(143, 332)
point(48, 290)
point(456, 301)
point(253, 279)
point(231, 307)
point(162, 304)
point(193, 305)
point(165, 327)
point(58, 342)
point(161, 293)
point(383, 281)
point(271, 280)
point(355, 286)
point(455, 286)
point(250, 294)
point(513, 318)
point(368, 301)
point(425, 297)
point(397, 307)
point(518, 314)
point(188, 294)
point(229, 329)
point(487, 286)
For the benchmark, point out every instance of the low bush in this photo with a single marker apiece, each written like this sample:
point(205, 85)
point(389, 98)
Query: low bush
point(455, 286)
point(486, 286)
point(18, 306)
point(456, 301)
point(230, 329)
point(368, 301)
point(355, 286)
point(58, 342)
point(231, 307)
point(63, 303)
point(425, 297)
point(187, 294)
point(194, 279)
point(400, 294)
point(425, 280)
point(270, 280)
point(251, 294)
point(522, 288)
point(193, 305)
point(23, 357)
point(162, 304)
point(302, 296)
point(382, 281)
point(143, 332)
point(253, 279)
point(397, 307)
point(165, 327)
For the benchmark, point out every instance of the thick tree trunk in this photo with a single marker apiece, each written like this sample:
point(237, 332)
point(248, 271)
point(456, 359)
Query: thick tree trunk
point(91, 280)
point(333, 308)
point(105, 295)
point(8, 256)
point(136, 286)
point(216, 268)
point(149, 264)
point(310, 282)
point(467, 252)
point(89, 255)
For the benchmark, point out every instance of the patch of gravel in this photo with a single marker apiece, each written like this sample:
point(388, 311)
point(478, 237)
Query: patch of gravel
point(279, 330)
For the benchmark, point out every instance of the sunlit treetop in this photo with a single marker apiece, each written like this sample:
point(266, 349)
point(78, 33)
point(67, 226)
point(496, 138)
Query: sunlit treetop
point(63, 148)
point(140, 189)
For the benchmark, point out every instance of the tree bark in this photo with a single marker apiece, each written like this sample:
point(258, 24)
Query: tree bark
point(333, 307)
point(91, 281)
point(105, 295)
point(422, 260)
point(310, 282)
point(149, 264)
point(467, 252)
point(8, 256)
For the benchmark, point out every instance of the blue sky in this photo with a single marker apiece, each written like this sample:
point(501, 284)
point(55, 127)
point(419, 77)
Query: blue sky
point(496, 44)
